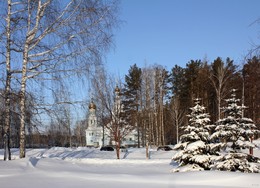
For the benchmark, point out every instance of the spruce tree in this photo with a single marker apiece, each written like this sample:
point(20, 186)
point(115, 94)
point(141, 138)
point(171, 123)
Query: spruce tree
point(194, 143)
point(234, 130)
point(235, 133)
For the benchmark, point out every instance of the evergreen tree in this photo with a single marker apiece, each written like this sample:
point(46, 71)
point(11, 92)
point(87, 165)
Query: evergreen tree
point(251, 79)
point(192, 73)
point(177, 80)
point(194, 145)
point(235, 132)
point(234, 129)
point(132, 97)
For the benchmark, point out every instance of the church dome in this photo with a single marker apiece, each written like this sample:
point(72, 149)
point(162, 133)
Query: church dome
point(117, 90)
point(92, 105)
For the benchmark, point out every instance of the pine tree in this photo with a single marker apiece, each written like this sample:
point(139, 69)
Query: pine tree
point(132, 97)
point(251, 78)
point(235, 133)
point(194, 144)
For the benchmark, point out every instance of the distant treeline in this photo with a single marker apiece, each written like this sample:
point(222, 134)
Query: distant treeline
point(158, 100)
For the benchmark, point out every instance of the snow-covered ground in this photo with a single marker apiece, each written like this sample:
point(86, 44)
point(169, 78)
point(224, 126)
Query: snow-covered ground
point(86, 167)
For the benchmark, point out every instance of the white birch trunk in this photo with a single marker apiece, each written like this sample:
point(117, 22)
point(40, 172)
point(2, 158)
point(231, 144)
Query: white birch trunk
point(147, 151)
point(23, 101)
point(30, 36)
point(7, 152)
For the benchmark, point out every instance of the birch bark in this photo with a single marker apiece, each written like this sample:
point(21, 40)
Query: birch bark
point(7, 152)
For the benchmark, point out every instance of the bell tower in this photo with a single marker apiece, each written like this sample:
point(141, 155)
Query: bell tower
point(93, 132)
point(117, 106)
point(92, 118)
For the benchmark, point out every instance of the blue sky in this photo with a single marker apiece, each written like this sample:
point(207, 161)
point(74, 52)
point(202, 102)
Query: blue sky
point(169, 32)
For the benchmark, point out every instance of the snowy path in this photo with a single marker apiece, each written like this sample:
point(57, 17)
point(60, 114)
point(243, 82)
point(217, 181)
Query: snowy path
point(66, 168)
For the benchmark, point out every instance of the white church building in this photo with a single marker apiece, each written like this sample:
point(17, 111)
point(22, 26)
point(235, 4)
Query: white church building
point(96, 133)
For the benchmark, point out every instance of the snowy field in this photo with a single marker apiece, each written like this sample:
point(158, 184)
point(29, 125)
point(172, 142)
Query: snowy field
point(86, 167)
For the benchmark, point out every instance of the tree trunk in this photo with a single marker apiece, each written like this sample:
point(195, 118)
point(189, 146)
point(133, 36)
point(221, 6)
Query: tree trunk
point(7, 152)
point(22, 123)
point(219, 102)
point(162, 120)
point(138, 135)
point(251, 148)
point(147, 150)
point(117, 140)
point(118, 151)
point(23, 101)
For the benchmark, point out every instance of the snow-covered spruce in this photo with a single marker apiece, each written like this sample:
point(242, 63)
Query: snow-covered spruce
point(194, 143)
point(232, 134)
point(235, 128)
point(237, 162)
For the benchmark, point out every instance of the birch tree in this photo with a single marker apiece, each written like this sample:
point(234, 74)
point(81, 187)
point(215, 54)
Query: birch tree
point(52, 37)
point(160, 78)
point(220, 77)
point(7, 119)
point(153, 93)
point(146, 109)
point(110, 107)
point(178, 116)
